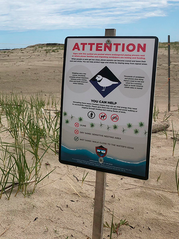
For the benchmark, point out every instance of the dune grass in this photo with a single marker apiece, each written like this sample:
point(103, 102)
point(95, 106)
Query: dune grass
point(32, 130)
point(173, 45)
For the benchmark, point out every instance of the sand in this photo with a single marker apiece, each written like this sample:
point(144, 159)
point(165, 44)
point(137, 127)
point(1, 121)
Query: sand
point(62, 207)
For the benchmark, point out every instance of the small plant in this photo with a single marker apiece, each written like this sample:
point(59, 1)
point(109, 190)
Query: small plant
point(84, 176)
point(65, 113)
point(165, 133)
point(92, 125)
point(136, 131)
point(159, 177)
point(155, 112)
point(123, 130)
point(177, 177)
point(108, 127)
point(175, 138)
point(115, 126)
point(67, 121)
point(55, 230)
point(114, 227)
point(141, 124)
point(166, 117)
point(101, 124)
point(129, 125)
point(80, 119)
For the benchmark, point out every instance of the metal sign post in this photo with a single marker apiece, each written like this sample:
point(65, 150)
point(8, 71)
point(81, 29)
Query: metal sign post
point(100, 188)
point(168, 73)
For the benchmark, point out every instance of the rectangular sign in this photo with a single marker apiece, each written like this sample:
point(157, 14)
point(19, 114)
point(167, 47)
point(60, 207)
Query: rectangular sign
point(107, 103)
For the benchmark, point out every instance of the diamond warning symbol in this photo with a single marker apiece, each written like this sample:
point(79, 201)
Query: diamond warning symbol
point(105, 81)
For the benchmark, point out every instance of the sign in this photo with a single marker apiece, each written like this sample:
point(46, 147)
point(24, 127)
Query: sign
point(107, 103)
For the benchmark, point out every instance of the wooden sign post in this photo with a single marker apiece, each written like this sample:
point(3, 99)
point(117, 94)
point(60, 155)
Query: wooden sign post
point(99, 205)
point(100, 188)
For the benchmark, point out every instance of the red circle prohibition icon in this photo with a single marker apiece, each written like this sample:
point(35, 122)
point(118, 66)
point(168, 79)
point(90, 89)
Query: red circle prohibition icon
point(76, 131)
point(103, 116)
point(76, 124)
point(114, 117)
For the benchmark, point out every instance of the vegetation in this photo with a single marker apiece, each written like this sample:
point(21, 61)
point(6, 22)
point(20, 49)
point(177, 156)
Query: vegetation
point(85, 174)
point(114, 227)
point(175, 138)
point(173, 45)
point(48, 47)
point(177, 177)
point(155, 112)
point(129, 125)
point(32, 130)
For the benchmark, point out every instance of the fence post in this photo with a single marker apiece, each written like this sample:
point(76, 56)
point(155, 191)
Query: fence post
point(168, 73)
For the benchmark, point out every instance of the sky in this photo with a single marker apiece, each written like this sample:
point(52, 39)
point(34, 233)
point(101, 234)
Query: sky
point(24, 23)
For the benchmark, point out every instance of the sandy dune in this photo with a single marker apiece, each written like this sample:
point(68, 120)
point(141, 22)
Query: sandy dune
point(62, 207)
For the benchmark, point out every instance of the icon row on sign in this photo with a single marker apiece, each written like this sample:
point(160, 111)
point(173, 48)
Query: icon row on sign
point(103, 116)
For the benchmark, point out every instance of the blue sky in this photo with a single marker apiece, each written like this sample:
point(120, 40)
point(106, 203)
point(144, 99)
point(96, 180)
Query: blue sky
point(24, 23)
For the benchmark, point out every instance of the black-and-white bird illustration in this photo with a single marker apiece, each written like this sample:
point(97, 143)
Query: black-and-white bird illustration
point(104, 82)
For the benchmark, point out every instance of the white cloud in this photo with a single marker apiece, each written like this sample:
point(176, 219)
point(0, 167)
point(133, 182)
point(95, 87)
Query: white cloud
point(56, 14)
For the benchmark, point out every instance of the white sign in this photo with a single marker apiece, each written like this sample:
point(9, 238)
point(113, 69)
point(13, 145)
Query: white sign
point(107, 102)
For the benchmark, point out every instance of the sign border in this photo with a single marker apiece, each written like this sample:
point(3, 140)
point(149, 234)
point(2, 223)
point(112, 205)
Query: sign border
point(150, 107)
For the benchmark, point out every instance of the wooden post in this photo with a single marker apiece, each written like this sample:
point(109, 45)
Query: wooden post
point(99, 205)
point(110, 32)
point(100, 187)
point(168, 73)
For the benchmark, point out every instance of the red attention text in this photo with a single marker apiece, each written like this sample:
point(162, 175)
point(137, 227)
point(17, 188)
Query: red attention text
point(117, 47)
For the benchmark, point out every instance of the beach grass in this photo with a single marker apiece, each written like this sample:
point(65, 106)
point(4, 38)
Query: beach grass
point(32, 130)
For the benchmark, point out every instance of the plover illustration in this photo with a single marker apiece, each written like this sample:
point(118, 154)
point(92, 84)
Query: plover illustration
point(104, 82)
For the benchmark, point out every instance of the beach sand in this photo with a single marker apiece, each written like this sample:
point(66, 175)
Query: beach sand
point(62, 206)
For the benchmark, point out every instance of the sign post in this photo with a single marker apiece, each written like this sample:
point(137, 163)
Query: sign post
point(100, 188)
point(99, 202)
